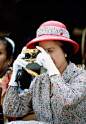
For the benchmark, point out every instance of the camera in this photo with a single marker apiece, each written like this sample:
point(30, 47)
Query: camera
point(31, 70)
point(30, 54)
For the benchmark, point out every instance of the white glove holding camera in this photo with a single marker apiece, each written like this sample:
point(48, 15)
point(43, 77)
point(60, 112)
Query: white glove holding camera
point(18, 64)
point(44, 59)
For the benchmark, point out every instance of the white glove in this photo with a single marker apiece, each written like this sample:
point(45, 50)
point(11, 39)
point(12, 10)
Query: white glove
point(44, 59)
point(18, 64)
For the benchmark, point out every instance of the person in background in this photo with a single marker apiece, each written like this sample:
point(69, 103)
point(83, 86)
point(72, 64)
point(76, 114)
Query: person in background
point(7, 48)
point(57, 96)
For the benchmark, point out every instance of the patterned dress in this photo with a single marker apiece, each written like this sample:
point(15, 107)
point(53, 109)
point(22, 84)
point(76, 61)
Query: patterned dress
point(66, 104)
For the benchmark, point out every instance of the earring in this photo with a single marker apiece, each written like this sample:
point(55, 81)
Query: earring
point(8, 64)
point(65, 55)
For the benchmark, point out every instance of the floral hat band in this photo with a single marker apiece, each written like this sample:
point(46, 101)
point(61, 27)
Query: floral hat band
point(52, 30)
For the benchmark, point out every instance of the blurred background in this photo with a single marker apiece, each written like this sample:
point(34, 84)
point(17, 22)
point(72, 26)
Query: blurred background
point(19, 19)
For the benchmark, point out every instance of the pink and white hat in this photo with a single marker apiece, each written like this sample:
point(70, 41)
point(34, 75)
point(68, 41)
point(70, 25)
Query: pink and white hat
point(52, 30)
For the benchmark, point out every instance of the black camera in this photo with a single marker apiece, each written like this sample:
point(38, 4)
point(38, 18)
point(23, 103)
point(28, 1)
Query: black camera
point(30, 54)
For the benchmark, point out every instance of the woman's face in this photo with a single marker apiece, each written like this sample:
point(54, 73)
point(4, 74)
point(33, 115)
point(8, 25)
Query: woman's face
point(56, 53)
point(4, 62)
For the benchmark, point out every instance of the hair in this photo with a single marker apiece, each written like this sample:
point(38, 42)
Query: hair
point(67, 48)
point(8, 46)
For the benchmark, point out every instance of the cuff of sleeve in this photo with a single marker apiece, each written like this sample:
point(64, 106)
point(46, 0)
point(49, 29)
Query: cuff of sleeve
point(13, 84)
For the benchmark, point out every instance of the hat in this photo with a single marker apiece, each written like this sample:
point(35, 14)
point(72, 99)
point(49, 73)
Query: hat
point(52, 30)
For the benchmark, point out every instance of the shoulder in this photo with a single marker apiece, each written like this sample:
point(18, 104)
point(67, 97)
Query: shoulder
point(75, 68)
point(73, 72)
point(79, 73)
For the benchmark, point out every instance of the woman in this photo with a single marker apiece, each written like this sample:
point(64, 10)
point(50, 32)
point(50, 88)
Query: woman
point(7, 48)
point(59, 95)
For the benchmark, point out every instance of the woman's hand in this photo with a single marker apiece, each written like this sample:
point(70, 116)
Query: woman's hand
point(45, 60)
point(17, 65)
point(20, 62)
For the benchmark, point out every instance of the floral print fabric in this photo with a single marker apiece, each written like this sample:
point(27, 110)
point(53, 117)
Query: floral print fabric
point(66, 104)
point(52, 30)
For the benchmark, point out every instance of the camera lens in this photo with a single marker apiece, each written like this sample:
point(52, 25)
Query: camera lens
point(27, 56)
point(33, 55)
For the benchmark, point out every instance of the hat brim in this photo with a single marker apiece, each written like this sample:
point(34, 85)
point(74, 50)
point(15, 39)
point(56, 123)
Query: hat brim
point(32, 43)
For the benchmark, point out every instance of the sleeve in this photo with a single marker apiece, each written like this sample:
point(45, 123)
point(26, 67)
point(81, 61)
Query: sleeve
point(15, 104)
point(69, 94)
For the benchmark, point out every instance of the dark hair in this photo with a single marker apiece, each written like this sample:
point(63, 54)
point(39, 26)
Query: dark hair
point(67, 48)
point(8, 46)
